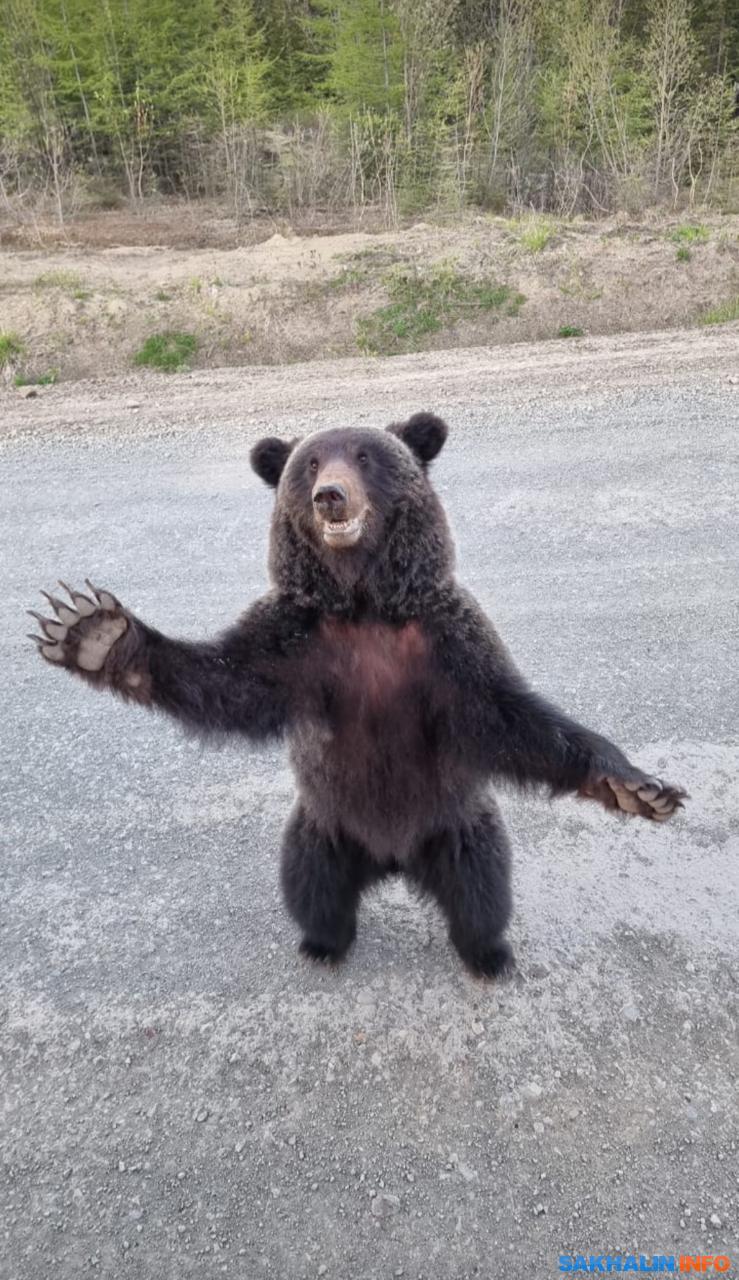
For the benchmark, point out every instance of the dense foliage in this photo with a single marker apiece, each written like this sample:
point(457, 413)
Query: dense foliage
point(399, 104)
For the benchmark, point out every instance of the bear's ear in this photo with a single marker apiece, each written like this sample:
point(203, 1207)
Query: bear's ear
point(424, 434)
point(268, 458)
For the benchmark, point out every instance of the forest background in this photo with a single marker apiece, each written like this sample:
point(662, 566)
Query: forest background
point(400, 107)
point(218, 182)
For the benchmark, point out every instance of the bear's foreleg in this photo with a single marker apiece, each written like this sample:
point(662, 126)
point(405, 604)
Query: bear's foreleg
point(235, 683)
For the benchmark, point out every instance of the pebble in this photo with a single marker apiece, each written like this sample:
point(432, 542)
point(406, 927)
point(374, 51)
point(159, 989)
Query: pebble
point(383, 1205)
point(630, 1012)
point(533, 1090)
point(202, 1115)
point(539, 1209)
point(714, 1220)
point(322, 1269)
point(539, 971)
point(27, 393)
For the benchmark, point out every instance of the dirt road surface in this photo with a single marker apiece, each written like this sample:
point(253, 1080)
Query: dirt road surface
point(182, 1095)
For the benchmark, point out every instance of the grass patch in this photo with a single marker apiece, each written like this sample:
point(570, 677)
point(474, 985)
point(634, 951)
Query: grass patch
point(348, 278)
point(422, 303)
point(535, 234)
point(58, 280)
point(47, 379)
point(162, 296)
point(167, 351)
point(690, 233)
point(683, 254)
point(11, 348)
point(570, 331)
point(722, 314)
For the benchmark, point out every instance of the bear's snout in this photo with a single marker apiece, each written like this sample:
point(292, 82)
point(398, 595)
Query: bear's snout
point(339, 504)
point(331, 500)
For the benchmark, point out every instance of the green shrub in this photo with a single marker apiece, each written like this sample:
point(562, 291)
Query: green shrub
point(167, 351)
point(683, 254)
point(11, 348)
point(722, 314)
point(570, 331)
point(37, 379)
point(534, 234)
point(690, 233)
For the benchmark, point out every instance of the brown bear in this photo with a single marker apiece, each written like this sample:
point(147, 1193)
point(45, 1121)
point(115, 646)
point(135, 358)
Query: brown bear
point(397, 698)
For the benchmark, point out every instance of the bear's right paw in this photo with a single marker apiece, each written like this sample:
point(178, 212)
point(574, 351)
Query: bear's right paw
point(81, 637)
point(495, 960)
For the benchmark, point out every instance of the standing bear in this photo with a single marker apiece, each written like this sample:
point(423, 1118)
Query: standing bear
point(398, 700)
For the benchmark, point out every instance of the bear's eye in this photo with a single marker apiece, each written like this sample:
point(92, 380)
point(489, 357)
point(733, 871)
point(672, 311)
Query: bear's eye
point(362, 459)
point(314, 464)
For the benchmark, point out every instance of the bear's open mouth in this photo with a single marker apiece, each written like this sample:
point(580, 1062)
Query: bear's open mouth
point(342, 533)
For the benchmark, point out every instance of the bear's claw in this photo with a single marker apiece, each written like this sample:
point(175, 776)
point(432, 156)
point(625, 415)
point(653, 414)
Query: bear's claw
point(83, 636)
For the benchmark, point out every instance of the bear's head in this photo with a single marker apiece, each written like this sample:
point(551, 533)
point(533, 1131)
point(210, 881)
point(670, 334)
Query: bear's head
point(356, 513)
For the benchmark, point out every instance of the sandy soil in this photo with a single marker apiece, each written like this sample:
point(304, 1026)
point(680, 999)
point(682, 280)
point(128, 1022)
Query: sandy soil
point(84, 310)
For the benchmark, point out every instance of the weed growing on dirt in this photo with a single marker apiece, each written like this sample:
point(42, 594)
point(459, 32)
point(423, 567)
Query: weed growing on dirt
point(37, 379)
point(11, 348)
point(68, 280)
point(169, 352)
point(690, 233)
point(162, 296)
point(722, 314)
point(348, 278)
point(570, 331)
point(422, 303)
point(534, 235)
point(683, 254)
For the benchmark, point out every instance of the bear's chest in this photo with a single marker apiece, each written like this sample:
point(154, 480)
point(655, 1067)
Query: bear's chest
point(370, 666)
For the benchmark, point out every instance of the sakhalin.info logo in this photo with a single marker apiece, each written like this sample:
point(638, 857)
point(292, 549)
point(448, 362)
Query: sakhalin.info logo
point(615, 1262)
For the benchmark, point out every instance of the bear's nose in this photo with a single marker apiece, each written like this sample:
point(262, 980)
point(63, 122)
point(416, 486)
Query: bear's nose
point(329, 498)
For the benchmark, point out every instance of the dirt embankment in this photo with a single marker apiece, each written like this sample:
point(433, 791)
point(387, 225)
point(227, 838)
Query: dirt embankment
point(82, 310)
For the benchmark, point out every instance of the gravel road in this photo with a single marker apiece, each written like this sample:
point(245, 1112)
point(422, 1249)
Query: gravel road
point(183, 1096)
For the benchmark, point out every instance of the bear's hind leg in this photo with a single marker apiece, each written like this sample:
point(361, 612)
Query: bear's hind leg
point(467, 871)
point(322, 880)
